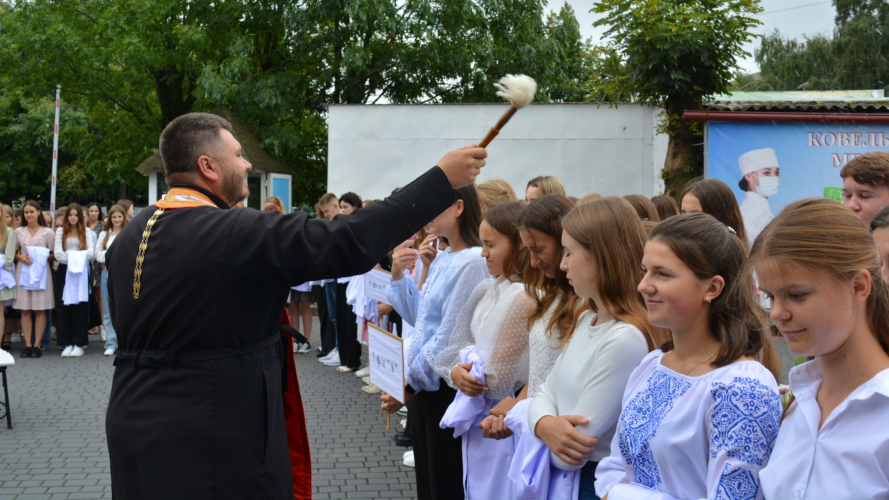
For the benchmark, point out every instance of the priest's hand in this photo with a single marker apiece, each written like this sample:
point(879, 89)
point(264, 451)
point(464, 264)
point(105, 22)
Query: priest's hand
point(463, 165)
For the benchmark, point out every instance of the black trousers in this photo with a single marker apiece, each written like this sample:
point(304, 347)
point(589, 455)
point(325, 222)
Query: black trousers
point(328, 331)
point(438, 455)
point(346, 330)
point(73, 320)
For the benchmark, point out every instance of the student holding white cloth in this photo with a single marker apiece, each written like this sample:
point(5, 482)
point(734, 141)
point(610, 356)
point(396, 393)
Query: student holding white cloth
point(576, 411)
point(31, 237)
point(487, 354)
point(74, 250)
point(7, 263)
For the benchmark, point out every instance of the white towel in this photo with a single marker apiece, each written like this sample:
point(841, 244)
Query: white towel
point(34, 274)
point(7, 279)
point(76, 279)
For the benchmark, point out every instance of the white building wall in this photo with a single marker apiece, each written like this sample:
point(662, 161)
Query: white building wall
point(591, 149)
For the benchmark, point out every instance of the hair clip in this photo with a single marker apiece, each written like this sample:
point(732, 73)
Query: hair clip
point(732, 230)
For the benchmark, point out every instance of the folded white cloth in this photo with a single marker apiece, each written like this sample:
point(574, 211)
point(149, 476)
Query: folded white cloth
point(7, 279)
point(76, 279)
point(6, 359)
point(34, 274)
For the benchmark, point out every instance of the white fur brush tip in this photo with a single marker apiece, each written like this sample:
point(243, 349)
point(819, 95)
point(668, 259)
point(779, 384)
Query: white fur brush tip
point(519, 90)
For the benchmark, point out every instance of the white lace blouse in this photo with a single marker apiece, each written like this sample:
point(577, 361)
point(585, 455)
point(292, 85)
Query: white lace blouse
point(692, 437)
point(542, 352)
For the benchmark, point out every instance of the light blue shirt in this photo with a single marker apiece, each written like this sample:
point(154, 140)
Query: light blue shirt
point(433, 312)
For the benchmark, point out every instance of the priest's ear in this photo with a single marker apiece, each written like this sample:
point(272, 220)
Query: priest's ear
point(209, 169)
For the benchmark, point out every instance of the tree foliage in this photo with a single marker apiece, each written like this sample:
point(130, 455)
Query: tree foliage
point(856, 56)
point(131, 67)
point(674, 53)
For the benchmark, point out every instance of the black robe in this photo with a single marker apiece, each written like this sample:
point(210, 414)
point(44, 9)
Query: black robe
point(196, 406)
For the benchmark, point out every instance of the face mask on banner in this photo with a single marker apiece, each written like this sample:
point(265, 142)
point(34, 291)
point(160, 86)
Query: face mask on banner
point(768, 186)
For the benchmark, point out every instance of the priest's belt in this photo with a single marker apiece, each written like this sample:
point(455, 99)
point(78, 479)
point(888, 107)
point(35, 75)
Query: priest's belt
point(166, 360)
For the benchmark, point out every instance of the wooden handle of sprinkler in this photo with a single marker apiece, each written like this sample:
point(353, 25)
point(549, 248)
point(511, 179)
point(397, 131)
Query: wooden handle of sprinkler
point(496, 128)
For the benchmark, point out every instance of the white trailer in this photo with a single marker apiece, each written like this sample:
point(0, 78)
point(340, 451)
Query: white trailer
point(590, 148)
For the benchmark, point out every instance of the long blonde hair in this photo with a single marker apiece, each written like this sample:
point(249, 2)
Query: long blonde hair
point(611, 232)
point(547, 184)
point(275, 201)
point(7, 210)
point(110, 226)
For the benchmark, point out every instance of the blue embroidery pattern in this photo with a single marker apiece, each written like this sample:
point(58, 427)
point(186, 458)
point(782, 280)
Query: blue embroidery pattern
point(746, 415)
point(739, 484)
point(641, 419)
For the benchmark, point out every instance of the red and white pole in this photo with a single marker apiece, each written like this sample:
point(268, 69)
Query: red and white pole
point(55, 155)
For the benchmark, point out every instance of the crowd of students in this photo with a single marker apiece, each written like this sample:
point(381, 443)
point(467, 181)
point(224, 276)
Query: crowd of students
point(595, 348)
point(622, 347)
point(53, 273)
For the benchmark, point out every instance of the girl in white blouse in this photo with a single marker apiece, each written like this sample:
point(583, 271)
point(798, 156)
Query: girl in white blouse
point(117, 220)
point(551, 320)
point(819, 265)
point(576, 410)
point(74, 311)
point(487, 354)
point(700, 415)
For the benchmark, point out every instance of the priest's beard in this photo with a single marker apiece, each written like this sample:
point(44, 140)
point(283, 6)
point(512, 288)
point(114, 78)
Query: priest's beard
point(234, 188)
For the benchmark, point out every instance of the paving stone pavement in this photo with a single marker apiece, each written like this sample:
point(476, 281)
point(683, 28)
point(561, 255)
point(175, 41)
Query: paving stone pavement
point(57, 450)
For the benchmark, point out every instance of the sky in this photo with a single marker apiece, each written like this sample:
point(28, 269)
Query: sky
point(793, 18)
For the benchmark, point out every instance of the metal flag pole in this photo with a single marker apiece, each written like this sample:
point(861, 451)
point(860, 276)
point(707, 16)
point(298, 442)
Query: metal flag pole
point(55, 155)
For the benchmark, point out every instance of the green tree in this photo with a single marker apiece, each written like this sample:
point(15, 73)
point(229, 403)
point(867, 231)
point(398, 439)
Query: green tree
point(134, 66)
point(856, 56)
point(676, 53)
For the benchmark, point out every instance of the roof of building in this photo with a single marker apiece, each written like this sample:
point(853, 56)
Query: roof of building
point(849, 101)
point(252, 145)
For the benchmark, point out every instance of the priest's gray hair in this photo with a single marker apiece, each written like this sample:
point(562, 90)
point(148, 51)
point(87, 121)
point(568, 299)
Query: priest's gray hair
point(187, 138)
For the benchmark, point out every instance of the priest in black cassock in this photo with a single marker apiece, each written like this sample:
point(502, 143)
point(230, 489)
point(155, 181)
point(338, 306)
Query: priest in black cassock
point(197, 292)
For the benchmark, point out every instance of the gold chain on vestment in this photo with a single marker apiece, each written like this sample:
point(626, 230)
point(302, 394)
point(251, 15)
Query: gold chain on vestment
point(140, 257)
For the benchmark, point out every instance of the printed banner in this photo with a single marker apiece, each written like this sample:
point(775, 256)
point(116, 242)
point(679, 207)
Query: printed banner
point(375, 283)
point(769, 165)
point(386, 362)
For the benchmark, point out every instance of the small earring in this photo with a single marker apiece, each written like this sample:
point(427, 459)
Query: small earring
point(707, 299)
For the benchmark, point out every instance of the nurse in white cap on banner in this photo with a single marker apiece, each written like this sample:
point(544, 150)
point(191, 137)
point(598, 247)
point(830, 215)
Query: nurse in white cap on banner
point(761, 180)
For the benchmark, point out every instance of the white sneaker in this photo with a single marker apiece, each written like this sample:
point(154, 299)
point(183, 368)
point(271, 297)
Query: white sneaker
point(304, 348)
point(77, 351)
point(409, 459)
point(334, 361)
point(67, 352)
point(407, 454)
point(363, 372)
point(109, 352)
point(15, 338)
point(329, 356)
